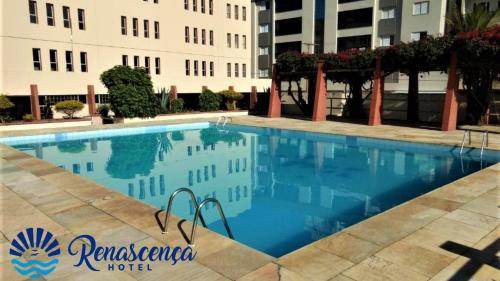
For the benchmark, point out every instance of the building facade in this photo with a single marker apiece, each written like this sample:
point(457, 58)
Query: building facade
point(64, 45)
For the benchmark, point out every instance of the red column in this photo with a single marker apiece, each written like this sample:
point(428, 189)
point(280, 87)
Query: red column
point(319, 111)
point(91, 100)
point(231, 88)
point(253, 97)
point(173, 91)
point(274, 98)
point(376, 101)
point(204, 88)
point(35, 103)
point(450, 103)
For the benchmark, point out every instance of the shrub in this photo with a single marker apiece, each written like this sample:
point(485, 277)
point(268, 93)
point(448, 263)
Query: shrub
point(5, 105)
point(164, 100)
point(231, 97)
point(28, 117)
point(103, 110)
point(69, 107)
point(177, 105)
point(131, 92)
point(209, 101)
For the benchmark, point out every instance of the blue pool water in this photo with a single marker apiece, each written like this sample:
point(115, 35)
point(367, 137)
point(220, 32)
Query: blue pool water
point(280, 189)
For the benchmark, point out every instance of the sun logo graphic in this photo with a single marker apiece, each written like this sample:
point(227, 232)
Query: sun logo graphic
point(35, 252)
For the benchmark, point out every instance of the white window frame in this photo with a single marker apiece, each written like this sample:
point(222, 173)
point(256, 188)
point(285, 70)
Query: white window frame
point(418, 8)
point(388, 13)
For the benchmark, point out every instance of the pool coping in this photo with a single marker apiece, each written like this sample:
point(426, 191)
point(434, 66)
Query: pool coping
point(321, 260)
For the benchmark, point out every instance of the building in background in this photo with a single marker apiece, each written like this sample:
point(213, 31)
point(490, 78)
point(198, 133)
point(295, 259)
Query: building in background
point(63, 46)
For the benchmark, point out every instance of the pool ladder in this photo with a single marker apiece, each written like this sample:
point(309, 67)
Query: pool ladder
point(223, 120)
point(484, 142)
point(196, 215)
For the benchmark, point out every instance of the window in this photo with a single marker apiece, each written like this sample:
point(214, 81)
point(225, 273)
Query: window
point(186, 4)
point(263, 28)
point(211, 7)
point(124, 25)
point(244, 13)
point(244, 70)
point(236, 12)
point(157, 66)
point(386, 40)
point(229, 40)
point(204, 68)
point(350, 42)
point(228, 10)
point(211, 69)
point(136, 61)
point(195, 6)
point(157, 30)
point(135, 27)
point(288, 26)
point(186, 34)
point(69, 61)
point(203, 37)
point(83, 62)
point(387, 13)
point(37, 59)
point(146, 28)
point(355, 18)
point(236, 41)
point(236, 70)
point(211, 37)
point(195, 35)
point(421, 8)
point(147, 65)
point(287, 5)
point(124, 60)
point(53, 60)
point(195, 68)
point(263, 51)
point(81, 19)
point(188, 69)
point(416, 36)
point(50, 15)
point(264, 73)
point(66, 17)
point(203, 6)
point(244, 42)
point(280, 48)
point(228, 70)
point(90, 167)
point(33, 11)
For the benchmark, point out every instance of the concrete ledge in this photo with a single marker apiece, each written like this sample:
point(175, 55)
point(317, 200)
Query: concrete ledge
point(32, 126)
point(186, 116)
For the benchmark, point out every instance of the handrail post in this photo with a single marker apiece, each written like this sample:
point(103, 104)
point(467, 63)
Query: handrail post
point(170, 203)
point(198, 214)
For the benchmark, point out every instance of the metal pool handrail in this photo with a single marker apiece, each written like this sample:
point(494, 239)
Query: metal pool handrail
point(169, 208)
point(198, 214)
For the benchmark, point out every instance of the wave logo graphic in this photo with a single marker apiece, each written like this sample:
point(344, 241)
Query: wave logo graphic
point(40, 250)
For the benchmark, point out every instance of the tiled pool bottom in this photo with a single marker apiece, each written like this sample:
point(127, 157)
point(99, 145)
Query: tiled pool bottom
point(280, 189)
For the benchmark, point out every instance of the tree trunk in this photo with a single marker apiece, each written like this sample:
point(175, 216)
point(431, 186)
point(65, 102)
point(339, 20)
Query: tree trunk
point(311, 94)
point(357, 110)
point(413, 107)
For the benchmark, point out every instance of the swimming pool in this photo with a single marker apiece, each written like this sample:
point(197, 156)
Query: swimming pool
point(279, 189)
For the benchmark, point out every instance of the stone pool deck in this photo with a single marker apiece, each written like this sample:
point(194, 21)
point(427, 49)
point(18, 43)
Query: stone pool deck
point(449, 233)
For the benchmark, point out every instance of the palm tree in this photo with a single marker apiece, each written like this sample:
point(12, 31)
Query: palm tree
point(477, 20)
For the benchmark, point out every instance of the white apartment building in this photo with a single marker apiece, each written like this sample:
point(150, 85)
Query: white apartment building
point(64, 45)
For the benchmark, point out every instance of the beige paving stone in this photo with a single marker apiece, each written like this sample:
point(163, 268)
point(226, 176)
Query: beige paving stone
point(272, 272)
point(235, 261)
point(456, 230)
point(56, 202)
point(418, 258)
point(14, 178)
point(486, 204)
point(464, 269)
point(433, 241)
point(314, 264)
point(348, 247)
point(7, 272)
point(378, 269)
point(474, 219)
point(91, 275)
point(341, 277)
point(32, 189)
point(438, 203)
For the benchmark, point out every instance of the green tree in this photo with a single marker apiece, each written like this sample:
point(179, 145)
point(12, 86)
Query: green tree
point(131, 92)
point(69, 107)
point(209, 101)
point(477, 20)
point(5, 105)
point(231, 97)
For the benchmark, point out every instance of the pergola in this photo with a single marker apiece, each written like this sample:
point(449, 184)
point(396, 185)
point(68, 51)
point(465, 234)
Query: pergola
point(449, 120)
